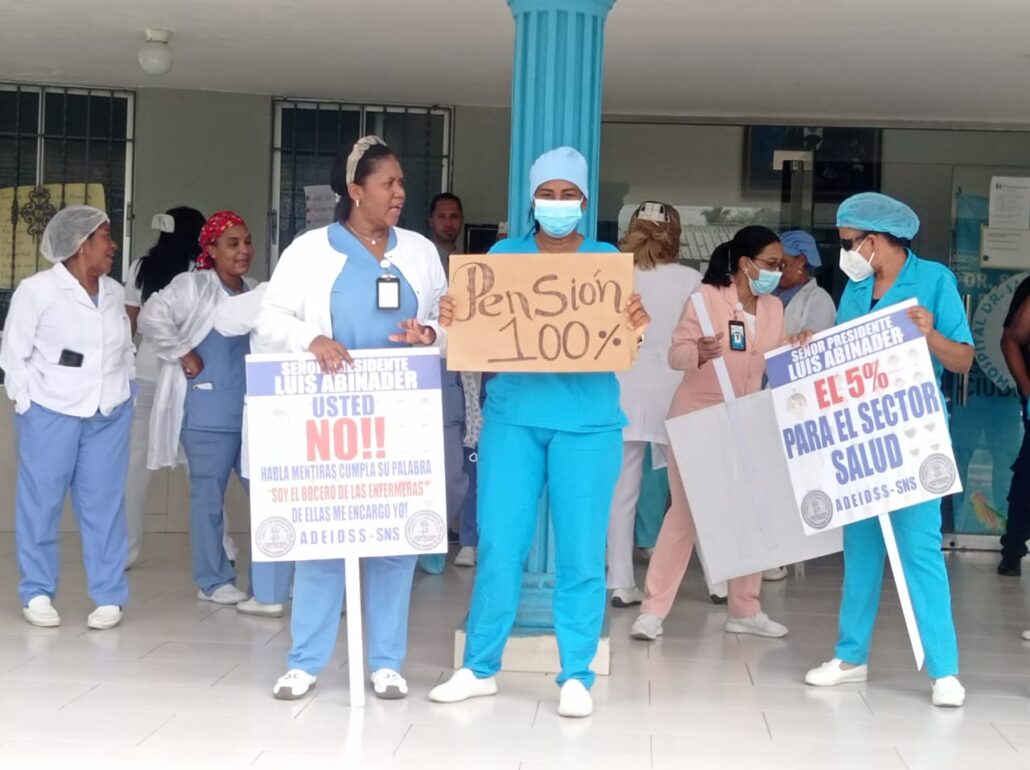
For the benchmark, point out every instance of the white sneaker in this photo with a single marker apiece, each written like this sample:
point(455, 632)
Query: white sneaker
point(294, 684)
point(466, 556)
point(463, 685)
point(388, 684)
point(647, 627)
point(1026, 635)
point(774, 574)
point(265, 610)
point(949, 692)
point(627, 597)
point(104, 617)
point(575, 700)
point(759, 625)
point(41, 612)
point(227, 594)
point(831, 673)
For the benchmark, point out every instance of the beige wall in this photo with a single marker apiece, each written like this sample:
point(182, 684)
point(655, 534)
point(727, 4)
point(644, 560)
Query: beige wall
point(203, 149)
point(481, 150)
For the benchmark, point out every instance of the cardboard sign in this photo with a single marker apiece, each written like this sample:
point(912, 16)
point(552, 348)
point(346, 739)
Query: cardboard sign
point(862, 421)
point(349, 464)
point(739, 489)
point(541, 313)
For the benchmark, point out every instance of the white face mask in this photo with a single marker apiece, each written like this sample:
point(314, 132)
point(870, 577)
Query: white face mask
point(854, 265)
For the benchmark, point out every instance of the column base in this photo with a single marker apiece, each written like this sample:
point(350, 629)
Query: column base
point(535, 651)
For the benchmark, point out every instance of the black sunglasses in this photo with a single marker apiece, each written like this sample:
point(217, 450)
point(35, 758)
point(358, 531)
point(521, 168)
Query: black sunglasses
point(847, 243)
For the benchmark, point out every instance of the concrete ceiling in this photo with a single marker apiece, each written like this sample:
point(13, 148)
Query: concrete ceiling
point(951, 61)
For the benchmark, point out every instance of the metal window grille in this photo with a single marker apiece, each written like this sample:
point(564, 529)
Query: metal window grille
point(308, 135)
point(59, 146)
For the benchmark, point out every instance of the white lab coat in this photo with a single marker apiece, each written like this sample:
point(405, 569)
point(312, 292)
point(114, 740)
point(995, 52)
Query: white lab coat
point(811, 309)
point(296, 307)
point(647, 388)
point(233, 317)
point(50, 313)
point(174, 321)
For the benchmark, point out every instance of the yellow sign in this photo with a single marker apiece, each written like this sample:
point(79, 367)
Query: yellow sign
point(24, 213)
point(541, 313)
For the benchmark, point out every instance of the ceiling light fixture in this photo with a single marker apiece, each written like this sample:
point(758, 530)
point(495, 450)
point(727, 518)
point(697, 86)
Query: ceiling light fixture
point(155, 57)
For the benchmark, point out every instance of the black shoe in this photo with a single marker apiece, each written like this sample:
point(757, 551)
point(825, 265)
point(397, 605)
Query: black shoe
point(1009, 566)
point(716, 599)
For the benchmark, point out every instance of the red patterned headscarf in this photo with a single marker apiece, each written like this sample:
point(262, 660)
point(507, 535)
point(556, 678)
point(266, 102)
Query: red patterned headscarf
point(217, 224)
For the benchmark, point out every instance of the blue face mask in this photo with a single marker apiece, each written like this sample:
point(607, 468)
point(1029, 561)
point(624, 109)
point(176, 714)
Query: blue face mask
point(557, 218)
point(766, 282)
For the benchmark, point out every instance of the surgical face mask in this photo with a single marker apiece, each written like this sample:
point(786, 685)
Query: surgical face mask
point(766, 282)
point(854, 265)
point(558, 218)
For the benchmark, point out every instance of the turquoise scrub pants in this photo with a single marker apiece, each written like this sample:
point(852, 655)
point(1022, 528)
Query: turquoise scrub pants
point(580, 471)
point(918, 532)
point(89, 455)
point(652, 504)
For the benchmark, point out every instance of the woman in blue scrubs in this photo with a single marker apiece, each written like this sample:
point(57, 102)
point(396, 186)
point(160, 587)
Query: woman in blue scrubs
point(875, 234)
point(324, 298)
point(199, 401)
point(564, 430)
point(67, 357)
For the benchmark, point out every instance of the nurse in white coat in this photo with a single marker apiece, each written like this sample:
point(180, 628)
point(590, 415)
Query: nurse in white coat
point(646, 389)
point(67, 357)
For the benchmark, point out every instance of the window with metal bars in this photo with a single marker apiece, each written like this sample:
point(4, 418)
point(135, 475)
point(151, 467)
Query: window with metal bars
point(58, 147)
point(308, 135)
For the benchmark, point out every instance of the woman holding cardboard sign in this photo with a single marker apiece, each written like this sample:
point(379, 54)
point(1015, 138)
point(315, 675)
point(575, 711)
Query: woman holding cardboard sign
point(564, 430)
point(875, 233)
point(737, 291)
point(362, 282)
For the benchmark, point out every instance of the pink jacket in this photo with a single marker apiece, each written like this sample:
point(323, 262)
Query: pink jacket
point(700, 388)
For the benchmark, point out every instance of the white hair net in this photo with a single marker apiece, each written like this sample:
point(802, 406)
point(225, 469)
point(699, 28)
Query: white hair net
point(67, 231)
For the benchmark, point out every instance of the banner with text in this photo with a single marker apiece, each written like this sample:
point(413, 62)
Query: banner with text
point(541, 313)
point(862, 420)
point(348, 464)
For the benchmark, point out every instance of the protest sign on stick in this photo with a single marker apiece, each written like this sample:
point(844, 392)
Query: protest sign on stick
point(864, 429)
point(736, 481)
point(541, 313)
point(346, 465)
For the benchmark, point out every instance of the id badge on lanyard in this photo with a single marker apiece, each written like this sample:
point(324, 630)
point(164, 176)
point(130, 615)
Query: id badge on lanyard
point(388, 292)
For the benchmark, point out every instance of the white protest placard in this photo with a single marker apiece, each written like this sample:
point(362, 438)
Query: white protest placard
point(741, 499)
point(736, 481)
point(349, 464)
point(346, 465)
point(862, 420)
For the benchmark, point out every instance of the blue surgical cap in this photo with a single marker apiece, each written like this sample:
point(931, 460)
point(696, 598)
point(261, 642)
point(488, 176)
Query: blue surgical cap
point(877, 213)
point(562, 163)
point(798, 243)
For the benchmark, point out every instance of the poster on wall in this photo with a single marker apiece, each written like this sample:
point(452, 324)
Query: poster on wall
point(347, 464)
point(862, 421)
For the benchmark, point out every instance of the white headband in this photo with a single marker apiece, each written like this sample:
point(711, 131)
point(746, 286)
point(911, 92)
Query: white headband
point(360, 148)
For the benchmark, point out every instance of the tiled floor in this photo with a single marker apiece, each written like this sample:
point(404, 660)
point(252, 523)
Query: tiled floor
point(185, 684)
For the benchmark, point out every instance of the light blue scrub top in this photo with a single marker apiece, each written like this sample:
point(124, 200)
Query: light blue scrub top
point(357, 321)
point(931, 283)
point(214, 398)
point(577, 403)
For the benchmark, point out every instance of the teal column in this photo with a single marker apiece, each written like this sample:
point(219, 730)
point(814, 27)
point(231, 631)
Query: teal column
point(555, 94)
point(555, 101)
